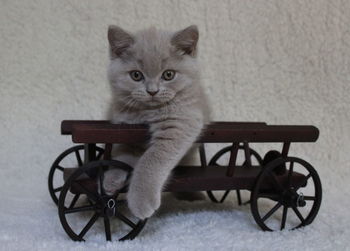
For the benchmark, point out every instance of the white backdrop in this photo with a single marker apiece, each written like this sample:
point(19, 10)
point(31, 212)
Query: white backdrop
point(283, 62)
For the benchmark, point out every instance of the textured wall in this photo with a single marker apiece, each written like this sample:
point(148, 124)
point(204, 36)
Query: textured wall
point(273, 61)
point(283, 62)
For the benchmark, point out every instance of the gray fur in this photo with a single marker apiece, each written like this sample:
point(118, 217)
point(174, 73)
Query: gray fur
point(176, 114)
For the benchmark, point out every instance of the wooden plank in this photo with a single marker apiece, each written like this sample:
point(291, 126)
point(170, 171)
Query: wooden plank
point(267, 133)
point(109, 133)
point(67, 125)
point(130, 134)
point(196, 178)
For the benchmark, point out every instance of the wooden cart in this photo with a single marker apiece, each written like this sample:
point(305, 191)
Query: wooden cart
point(290, 184)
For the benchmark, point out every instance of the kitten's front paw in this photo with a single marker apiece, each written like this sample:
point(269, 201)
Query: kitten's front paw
point(114, 179)
point(142, 202)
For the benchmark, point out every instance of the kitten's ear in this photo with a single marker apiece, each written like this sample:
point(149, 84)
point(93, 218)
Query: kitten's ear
point(186, 40)
point(119, 40)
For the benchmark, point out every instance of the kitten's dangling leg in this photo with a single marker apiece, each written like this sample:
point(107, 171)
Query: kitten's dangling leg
point(154, 167)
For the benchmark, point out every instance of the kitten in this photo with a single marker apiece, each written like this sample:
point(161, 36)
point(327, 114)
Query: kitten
point(154, 77)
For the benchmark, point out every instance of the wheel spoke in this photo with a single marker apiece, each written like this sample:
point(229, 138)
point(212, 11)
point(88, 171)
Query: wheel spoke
point(80, 209)
point(107, 228)
point(257, 156)
point(76, 197)
point(100, 177)
point(284, 217)
point(132, 234)
point(89, 225)
point(297, 212)
point(125, 220)
point(77, 154)
point(290, 173)
point(58, 189)
point(309, 198)
point(239, 198)
point(272, 211)
point(60, 168)
point(224, 196)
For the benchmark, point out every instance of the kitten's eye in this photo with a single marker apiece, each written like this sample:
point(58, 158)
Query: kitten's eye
point(136, 75)
point(168, 75)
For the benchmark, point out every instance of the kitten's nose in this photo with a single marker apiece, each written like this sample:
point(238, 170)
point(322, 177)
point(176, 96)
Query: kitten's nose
point(152, 93)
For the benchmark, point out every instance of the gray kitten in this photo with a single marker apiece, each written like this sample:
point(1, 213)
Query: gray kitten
point(154, 77)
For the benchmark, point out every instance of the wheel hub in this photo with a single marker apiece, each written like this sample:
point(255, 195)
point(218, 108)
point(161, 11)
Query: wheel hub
point(293, 199)
point(300, 200)
point(110, 205)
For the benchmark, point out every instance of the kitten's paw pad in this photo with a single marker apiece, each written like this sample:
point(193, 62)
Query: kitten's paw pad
point(114, 180)
point(142, 204)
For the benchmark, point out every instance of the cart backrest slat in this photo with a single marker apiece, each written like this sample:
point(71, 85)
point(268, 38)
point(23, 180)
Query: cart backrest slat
point(216, 132)
point(67, 125)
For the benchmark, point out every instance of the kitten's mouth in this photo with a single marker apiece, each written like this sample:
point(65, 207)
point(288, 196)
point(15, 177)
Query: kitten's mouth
point(154, 102)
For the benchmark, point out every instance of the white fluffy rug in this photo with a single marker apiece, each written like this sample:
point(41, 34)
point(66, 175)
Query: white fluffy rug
point(29, 221)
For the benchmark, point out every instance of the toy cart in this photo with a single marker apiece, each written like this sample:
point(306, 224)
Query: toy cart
point(285, 191)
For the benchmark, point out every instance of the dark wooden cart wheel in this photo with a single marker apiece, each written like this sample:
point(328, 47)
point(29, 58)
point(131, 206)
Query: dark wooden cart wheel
point(214, 162)
point(73, 210)
point(58, 167)
point(286, 192)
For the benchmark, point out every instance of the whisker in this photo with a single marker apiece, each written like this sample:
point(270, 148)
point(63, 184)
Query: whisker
point(126, 105)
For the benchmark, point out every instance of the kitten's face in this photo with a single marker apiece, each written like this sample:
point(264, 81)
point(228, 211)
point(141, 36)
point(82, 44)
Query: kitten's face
point(151, 67)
